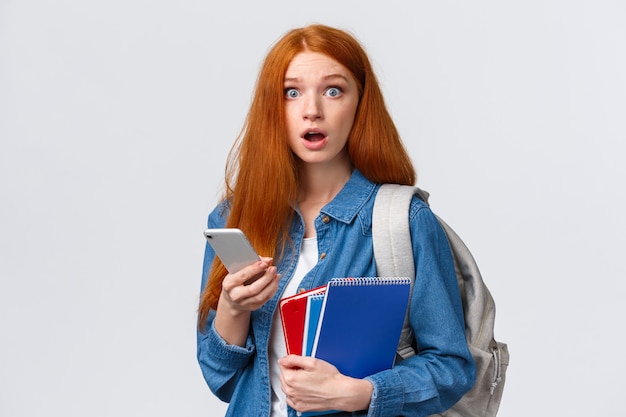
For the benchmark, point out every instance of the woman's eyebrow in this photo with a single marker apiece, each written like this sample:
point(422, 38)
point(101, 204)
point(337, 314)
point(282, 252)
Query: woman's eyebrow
point(333, 76)
point(325, 77)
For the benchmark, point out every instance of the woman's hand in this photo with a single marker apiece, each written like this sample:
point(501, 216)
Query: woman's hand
point(315, 385)
point(240, 296)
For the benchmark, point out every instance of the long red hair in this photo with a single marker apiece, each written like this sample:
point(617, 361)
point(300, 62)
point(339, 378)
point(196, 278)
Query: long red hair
point(262, 173)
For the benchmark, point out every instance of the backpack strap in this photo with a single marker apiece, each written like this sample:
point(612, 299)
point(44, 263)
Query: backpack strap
point(392, 240)
point(392, 245)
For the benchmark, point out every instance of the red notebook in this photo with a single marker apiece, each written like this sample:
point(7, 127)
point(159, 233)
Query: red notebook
point(292, 314)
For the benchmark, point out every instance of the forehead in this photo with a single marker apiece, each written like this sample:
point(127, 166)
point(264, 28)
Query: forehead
point(314, 64)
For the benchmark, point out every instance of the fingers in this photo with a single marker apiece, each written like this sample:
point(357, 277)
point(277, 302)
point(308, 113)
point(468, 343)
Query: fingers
point(307, 382)
point(252, 286)
point(247, 275)
point(296, 362)
point(263, 288)
point(251, 273)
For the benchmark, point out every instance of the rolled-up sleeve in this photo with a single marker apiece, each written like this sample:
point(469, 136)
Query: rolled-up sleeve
point(221, 363)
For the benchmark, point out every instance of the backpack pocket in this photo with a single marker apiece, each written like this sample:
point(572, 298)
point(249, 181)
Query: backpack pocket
point(484, 398)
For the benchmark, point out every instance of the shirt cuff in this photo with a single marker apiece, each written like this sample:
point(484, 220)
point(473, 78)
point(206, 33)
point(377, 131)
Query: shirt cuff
point(234, 355)
point(388, 395)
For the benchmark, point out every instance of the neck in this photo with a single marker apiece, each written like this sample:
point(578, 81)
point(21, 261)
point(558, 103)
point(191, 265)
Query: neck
point(319, 185)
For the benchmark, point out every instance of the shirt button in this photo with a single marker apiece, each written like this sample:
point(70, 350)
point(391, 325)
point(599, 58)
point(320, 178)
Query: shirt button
point(325, 219)
point(323, 255)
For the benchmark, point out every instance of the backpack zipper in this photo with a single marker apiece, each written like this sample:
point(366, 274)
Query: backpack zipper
point(497, 376)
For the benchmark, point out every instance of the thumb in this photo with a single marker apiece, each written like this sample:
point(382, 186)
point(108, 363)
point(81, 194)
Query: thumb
point(295, 361)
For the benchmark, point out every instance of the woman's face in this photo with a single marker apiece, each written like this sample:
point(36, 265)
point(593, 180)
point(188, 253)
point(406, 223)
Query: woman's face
point(321, 98)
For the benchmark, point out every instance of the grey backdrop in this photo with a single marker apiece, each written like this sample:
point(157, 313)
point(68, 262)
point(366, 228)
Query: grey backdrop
point(115, 120)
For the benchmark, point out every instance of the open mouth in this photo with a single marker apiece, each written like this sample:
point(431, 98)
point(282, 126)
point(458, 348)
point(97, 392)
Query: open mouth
point(314, 136)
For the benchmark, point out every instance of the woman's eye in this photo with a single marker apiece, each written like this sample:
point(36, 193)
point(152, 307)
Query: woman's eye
point(333, 92)
point(291, 93)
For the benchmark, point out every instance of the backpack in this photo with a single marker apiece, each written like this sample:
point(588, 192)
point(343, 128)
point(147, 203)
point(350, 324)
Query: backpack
point(393, 255)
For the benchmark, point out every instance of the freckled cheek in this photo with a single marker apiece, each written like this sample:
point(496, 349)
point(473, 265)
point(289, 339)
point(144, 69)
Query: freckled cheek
point(347, 120)
point(293, 135)
point(290, 125)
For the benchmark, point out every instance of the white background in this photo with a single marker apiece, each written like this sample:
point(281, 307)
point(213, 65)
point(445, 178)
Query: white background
point(115, 120)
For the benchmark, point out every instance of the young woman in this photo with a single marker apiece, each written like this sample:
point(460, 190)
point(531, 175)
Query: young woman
point(301, 183)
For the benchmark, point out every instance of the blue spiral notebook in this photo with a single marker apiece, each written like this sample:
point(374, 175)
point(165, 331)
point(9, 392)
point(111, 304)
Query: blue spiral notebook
point(313, 311)
point(360, 323)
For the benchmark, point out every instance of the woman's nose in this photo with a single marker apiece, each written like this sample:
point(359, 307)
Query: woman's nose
point(312, 109)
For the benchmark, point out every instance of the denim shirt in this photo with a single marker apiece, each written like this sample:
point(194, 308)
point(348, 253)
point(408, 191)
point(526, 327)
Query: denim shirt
point(425, 384)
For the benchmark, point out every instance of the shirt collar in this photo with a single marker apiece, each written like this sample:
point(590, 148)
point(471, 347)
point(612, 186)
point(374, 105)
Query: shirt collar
point(347, 203)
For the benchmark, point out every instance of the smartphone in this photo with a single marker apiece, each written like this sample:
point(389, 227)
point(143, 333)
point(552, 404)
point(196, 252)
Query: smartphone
point(233, 248)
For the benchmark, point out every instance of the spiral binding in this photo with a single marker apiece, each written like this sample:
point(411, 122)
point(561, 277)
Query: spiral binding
point(341, 282)
point(317, 296)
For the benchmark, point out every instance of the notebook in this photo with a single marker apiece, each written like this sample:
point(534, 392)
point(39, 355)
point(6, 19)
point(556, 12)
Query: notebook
point(311, 319)
point(292, 315)
point(360, 323)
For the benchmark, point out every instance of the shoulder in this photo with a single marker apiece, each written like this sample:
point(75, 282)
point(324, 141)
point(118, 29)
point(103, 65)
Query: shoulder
point(219, 214)
point(419, 207)
point(396, 197)
point(422, 219)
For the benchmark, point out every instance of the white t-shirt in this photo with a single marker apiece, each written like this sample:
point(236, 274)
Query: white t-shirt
point(277, 348)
